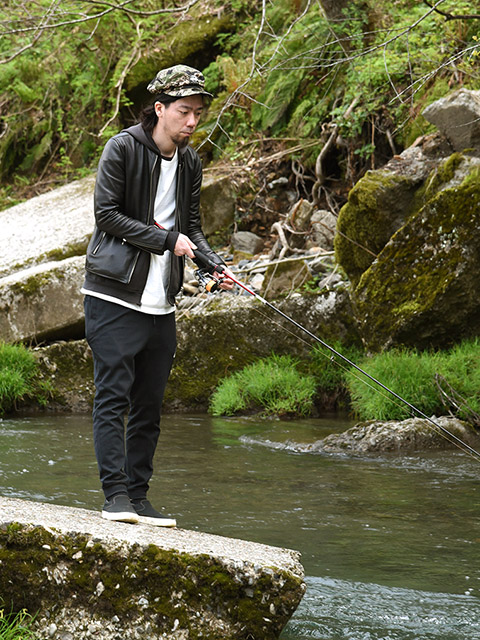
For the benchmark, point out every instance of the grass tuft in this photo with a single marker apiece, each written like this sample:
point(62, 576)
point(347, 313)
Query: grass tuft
point(419, 378)
point(16, 626)
point(18, 377)
point(272, 386)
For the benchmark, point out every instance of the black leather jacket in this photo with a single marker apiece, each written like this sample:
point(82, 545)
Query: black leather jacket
point(118, 255)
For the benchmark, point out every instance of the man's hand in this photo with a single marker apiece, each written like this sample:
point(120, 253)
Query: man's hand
point(225, 283)
point(184, 246)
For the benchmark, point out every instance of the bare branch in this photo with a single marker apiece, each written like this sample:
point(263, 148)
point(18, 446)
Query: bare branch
point(122, 6)
point(139, 12)
point(451, 16)
point(132, 60)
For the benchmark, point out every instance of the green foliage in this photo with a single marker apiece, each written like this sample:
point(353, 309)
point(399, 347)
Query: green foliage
point(416, 376)
point(19, 377)
point(273, 385)
point(15, 626)
point(331, 370)
point(62, 69)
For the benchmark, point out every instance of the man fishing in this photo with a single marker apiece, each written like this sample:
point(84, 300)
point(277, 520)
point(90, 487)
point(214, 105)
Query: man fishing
point(147, 219)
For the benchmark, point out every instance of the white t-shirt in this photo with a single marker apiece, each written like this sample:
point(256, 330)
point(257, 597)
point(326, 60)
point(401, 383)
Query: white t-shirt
point(154, 297)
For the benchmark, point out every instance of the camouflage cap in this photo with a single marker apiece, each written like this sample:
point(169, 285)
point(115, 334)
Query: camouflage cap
point(179, 81)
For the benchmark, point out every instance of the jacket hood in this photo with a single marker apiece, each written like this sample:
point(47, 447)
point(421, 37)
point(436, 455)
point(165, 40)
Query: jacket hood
point(145, 138)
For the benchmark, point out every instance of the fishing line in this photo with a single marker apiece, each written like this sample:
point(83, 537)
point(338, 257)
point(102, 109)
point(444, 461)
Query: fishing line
point(219, 272)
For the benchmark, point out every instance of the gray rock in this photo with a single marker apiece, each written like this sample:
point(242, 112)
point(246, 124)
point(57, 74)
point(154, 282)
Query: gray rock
point(324, 224)
point(42, 302)
point(217, 204)
point(457, 116)
point(247, 242)
point(284, 278)
point(406, 436)
point(52, 226)
point(155, 583)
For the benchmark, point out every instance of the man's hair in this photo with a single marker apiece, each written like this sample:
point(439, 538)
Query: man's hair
point(148, 117)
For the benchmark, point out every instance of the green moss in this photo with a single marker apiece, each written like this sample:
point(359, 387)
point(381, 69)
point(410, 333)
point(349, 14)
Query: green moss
point(68, 251)
point(425, 259)
point(49, 568)
point(185, 42)
point(377, 206)
point(437, 179)
point(198, 367)
point(32, 285)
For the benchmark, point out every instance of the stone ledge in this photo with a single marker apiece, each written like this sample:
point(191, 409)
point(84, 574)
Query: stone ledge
point(86, 576)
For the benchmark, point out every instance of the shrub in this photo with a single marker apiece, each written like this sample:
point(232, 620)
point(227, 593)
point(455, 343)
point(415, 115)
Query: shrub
point(273, 385)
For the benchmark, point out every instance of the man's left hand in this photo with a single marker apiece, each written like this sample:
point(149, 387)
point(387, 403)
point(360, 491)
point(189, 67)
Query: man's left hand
point(225, 283)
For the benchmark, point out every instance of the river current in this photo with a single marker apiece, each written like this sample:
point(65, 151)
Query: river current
point(390, 544)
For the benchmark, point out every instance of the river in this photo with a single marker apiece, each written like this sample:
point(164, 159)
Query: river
point(390, 544)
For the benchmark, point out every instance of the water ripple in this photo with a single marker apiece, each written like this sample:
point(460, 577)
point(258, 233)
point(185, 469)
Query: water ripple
point(341, 610)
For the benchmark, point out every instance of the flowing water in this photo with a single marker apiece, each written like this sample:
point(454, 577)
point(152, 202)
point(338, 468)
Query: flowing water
point(390, 545)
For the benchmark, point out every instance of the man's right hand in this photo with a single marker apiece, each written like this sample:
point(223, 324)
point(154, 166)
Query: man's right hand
point(184, 246)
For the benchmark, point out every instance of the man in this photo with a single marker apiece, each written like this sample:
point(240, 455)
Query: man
point(147, 218)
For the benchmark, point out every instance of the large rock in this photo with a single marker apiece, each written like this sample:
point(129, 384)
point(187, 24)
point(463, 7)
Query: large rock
point(42, 248)
point(84, 577)
point(52, 226)
point(404, 437)
point(43, 302)
point(217, 205)
point(457, 116)
point(68, 367)
point(216, 335)
point(284, 277)
point(422, 289)
point(225, 332)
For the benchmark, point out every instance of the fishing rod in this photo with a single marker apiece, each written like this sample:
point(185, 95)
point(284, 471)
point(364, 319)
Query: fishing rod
point(219, 272)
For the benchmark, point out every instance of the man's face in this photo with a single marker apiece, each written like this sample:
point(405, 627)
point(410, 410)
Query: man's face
point(178, 121)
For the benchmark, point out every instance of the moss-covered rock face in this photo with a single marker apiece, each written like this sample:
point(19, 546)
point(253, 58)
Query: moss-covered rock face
point(85, 577)
point(377, 206)
point(233, 331)
point(69, 367)
point(190, 42)
point(422, 290)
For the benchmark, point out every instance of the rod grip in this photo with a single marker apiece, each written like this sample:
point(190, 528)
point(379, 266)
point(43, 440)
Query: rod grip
point(205, 260)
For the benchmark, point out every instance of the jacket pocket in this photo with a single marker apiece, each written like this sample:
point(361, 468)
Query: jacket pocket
point(112, 257)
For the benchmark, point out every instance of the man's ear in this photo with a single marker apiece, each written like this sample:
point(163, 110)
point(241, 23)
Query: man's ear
point(159, 109)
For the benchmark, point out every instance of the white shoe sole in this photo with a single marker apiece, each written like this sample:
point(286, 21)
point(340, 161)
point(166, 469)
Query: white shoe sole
point(157, 522)
point(121, 516)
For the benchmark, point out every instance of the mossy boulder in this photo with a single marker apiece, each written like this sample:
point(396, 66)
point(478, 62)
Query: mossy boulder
point(422, 289)
point(377, 206)
point(190, 42)
point(68, 366)
point(84, 577)
point(233, 331)
point(381, 202)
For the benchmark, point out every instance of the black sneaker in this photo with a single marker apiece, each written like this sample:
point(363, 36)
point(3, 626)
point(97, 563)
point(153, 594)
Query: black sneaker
point(148, 515)
point(120, 509)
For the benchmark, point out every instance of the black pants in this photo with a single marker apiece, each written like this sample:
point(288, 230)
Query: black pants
point(133, 354)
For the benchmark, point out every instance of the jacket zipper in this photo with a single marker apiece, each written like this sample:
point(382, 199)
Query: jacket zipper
point(97, 246)
point(132, 269)
point(150, 205)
